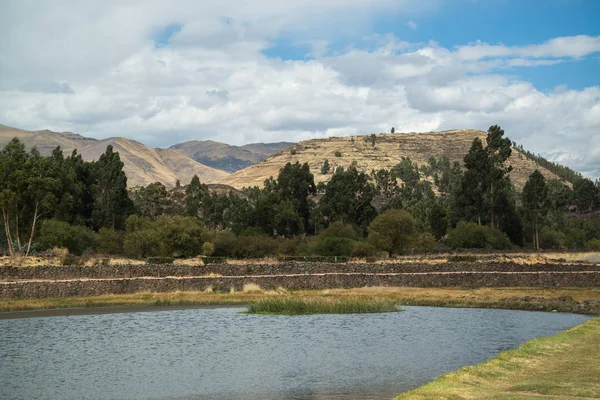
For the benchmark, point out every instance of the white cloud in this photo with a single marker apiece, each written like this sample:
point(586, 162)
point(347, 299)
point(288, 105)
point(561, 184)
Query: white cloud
point(412, 25)
point(92, 68)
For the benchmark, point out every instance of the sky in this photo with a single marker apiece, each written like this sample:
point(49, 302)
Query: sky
point(239, 71)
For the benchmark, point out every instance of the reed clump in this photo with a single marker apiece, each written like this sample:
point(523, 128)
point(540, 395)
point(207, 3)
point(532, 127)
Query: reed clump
point(289, 305)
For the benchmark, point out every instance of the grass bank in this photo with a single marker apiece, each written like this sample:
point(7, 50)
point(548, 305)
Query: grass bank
point(581, 300)
point(292, 305)
point(564, 366)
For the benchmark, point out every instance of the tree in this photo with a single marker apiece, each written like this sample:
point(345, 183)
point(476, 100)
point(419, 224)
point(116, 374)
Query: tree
point(348, 197)
point(498, 150)
point(393, 129)
point(586, 195)
point(470, 198)
point(325, 167)
point(196, 194)
point(392, 231)
point(152, 201)
point(534, 198)
point(294, 183)
point(112, 204)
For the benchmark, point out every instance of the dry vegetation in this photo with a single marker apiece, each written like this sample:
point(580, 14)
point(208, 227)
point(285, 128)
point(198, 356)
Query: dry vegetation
point(387, 152)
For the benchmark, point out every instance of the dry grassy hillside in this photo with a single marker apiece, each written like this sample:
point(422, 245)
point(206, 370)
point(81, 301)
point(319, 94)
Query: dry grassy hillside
point(143, 164)
point(388, 150)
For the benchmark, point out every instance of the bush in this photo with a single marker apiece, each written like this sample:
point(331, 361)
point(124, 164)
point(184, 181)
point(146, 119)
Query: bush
point(225, 243)
point(364, 250)
point(332, 246)
point(208, 249)
point(109, 241)
point(339, 230)
point(593, 244)
point(254, 246)
point(462, 258)
point(551, 239)
point(165, 237)
point(338, 154)
point(77, 239)
point(425, 242)
point(469, 235)
point(392, 231)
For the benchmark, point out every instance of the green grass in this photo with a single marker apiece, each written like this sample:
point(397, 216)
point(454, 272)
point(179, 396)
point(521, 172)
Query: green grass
point(322, 305)
point(564, 366)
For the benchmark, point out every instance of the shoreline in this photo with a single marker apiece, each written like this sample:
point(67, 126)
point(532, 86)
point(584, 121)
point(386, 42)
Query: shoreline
point(75, 311)
point(573, 300)
point(559, 366)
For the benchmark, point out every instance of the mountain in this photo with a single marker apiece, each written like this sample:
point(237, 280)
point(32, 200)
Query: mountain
point(386, 153)
point(143, 164)
point(226, 157)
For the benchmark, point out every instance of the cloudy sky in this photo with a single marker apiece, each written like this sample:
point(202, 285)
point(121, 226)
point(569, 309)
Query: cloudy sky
point(241, 71)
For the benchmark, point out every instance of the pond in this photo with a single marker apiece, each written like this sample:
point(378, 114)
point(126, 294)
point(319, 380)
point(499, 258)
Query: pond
point(221, 354)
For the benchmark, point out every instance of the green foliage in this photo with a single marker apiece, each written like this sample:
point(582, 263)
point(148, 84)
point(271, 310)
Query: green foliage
point(325, 167)
point(111, 201)
point(373, 138)
point(110, 241)
point(468, 235)
point(586, 195)
point(340, 230)
point(392, 231)
point(393, 130)
point(293, 151)
point(77, 239)
point(563, 172)
point(364, 249)
point(332, 246)
point(462, 258)
point(338, 154)
point(551, 239)
point(322, 305)
point(425, 242)
point(152, 201)
point(593, 245)
point(208, 249)
point(165, 237)
point(254, 245)
point(348, 198)
point(534, 199)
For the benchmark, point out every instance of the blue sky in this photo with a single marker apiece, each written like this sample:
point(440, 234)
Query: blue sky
point(508, 22)
point(235, 71)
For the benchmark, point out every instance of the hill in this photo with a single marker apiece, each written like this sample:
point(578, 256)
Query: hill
point(386, 153)
point(226, 157)
point(143, 164)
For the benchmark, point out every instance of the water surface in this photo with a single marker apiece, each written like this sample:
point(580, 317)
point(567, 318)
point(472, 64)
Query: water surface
point(221, 354)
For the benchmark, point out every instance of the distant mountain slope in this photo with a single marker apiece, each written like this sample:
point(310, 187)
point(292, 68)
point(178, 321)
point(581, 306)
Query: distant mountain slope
point(226, 157)
point(143, 165)
point(387, 152)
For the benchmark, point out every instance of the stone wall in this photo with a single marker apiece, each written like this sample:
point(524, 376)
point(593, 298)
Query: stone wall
point(291, 267)
point(91, 287)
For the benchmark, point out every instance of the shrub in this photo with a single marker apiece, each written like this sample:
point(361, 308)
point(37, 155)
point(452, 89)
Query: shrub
point(339, 230)
point(392, 231)
point(551, 239)
point(425, 242)
point(208, 249)
point(338, 154)
point(77, 239)
point(462, 258)
point(469, 235)
point(332, 246)
point(165, 237)
point(225, 242)
point(109, 241)
point(593, 244)
point(254, 246)
point(364, 250)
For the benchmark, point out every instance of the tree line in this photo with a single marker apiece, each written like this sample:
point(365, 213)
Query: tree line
point(59, 201)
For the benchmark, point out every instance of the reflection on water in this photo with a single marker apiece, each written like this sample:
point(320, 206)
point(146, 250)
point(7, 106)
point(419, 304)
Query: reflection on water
point(221, 354)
